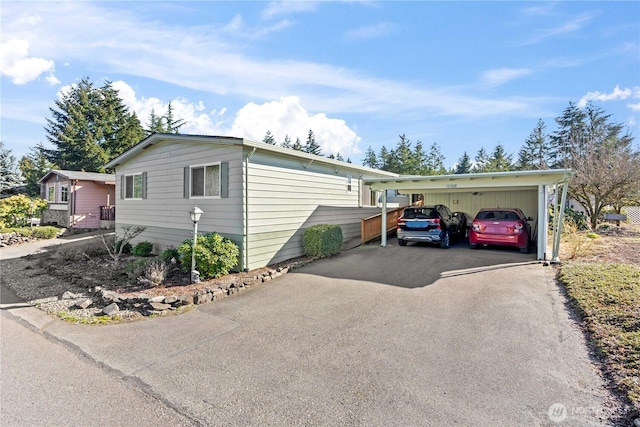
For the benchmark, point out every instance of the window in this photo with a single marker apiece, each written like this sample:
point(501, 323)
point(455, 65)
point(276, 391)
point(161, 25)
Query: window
point(348, 183)
point(133, 186)
point(64, 193)
point(205, 181)
point(51, 193)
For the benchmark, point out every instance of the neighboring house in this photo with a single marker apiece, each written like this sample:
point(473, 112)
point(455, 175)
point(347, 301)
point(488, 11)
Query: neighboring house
point(259, 195)
point(78, 199)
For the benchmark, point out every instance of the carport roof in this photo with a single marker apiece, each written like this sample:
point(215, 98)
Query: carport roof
point(487, 181)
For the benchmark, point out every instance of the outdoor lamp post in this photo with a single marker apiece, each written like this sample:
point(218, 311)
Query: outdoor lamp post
point(195, 214)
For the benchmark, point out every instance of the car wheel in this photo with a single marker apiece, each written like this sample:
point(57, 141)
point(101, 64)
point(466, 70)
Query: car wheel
point(402, 242)
point(446, 240)
point(472, 246)
point(525, 250)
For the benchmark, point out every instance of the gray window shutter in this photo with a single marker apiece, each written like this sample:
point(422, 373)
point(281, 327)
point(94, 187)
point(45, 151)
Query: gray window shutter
point(144, 185)
point(187, 171)
point(122, 184)
point(224, 180)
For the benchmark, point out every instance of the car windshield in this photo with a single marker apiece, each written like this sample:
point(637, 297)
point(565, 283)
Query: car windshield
point(422, 213)
point(498, 216)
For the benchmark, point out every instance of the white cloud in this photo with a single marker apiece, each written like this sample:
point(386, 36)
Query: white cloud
point(616, 94)
point(275, 8)
point(370, 32)
point(634, 107)
point(16, 63)
point(288, 117)
point(571, 26)
point(501, 76)
point(285, 116)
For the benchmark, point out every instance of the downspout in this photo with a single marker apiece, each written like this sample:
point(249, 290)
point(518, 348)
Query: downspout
point(246, 211)
point(73, 203)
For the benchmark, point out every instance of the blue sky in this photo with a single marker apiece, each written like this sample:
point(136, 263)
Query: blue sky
point(464, 75)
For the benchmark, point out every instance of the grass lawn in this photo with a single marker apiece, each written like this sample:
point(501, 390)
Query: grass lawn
point(607, 295)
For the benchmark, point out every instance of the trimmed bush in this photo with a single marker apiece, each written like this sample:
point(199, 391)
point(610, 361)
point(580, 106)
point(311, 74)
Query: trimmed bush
point(170, 254)
point(125, 250)
point(215, 255)
point(322, 240)
point(142, 249)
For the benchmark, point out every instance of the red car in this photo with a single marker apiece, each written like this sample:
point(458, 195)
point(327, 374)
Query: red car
point(501, 226)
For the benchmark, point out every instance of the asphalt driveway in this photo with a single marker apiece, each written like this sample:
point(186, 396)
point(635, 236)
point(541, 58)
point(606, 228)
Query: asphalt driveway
point(410, 335)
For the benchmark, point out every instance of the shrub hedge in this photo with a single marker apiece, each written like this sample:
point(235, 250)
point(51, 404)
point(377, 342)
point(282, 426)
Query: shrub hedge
point(322, 240)
point(215, 255)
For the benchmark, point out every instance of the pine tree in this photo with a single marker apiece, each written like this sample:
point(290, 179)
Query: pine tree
point(34, 166)
point(481, 161)
point(90, 126)
point(165, 123)
point(571, 128)
point(269, 139)
point(464, 164)
point(311, 146)
point(418, 163)
point(399, 160)
point(499, 161)
point(287, 142)
point(297, 145)
point(370, 159)
point(384, 159)
point(339, 157)
point(535, 152)
point(9, 173)
point(435, 161)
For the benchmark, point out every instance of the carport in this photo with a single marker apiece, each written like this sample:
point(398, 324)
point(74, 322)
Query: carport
point(533, 191)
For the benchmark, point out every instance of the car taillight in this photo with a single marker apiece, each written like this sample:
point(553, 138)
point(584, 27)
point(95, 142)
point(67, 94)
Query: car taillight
point(437, 222)
point(475, 227)
point(519, 226)
point(401, 221)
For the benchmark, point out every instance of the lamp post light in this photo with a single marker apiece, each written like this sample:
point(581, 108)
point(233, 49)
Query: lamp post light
point(195, 214)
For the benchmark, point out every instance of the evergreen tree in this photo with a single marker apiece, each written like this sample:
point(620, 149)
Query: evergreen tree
point(165, 123)
point(464, 164)
point(269, 139)
point(90, 126)
point(419, 161)
point(481, 161)
point(9, 173)
point(435, 161)
point(571, 128)
point(370, 159)
point(339, 157)
point(311, 146)
point(287, 142)
point(297, 145)
point(34, 166)
point(384, 159)
point(400, 159)
point(534, 154)
point(499, 161)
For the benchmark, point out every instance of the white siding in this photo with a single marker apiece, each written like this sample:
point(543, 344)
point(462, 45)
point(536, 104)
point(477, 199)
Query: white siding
point(286, 199)
point(165, 207)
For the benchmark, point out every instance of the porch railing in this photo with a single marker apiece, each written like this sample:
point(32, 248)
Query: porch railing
point(370, 227)
point(107, 213)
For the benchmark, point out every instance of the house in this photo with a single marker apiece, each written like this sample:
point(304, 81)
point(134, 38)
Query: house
point(259, 195)
point(78, 199)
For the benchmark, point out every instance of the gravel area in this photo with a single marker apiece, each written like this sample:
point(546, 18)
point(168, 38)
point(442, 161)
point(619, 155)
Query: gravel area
point(62, 278)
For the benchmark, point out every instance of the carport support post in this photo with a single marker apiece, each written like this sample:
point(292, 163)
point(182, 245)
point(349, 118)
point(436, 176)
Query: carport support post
point(383, 235)
point(560, 214)
point(543, 222)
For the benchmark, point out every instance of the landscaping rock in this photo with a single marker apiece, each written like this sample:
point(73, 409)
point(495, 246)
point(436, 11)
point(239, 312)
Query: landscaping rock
point(111, 309)
point(84, 304)
point(159, 306)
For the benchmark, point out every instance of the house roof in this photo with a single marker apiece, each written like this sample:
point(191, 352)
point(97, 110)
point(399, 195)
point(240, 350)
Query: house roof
point(487, 181)
point(107, 178)
point(156, 138)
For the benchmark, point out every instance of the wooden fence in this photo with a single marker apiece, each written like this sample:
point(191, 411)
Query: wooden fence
point(371, 227)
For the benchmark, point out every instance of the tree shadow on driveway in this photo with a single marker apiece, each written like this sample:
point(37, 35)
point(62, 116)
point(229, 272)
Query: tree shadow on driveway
point(414, 265)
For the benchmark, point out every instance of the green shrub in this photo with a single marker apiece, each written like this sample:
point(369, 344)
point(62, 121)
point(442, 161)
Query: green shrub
point(16, 211)
point(125, 250)
point(170, 254)
point(322, 240)
point(46, 232)
point(215, 255)
point(593, 235)
point(142, 249)
point(570, 214)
